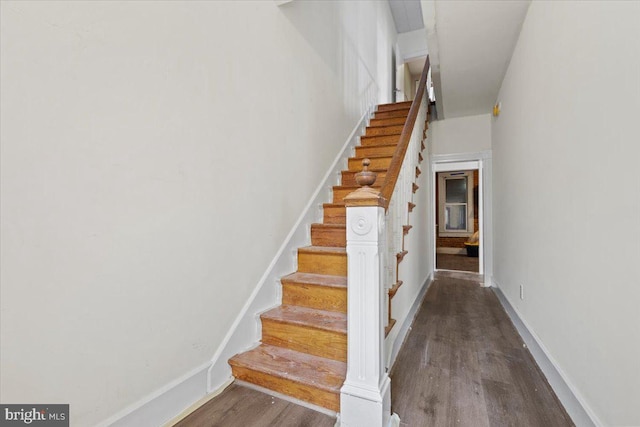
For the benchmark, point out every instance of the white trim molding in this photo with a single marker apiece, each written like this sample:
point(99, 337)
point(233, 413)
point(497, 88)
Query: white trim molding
point(164, 404)
point(365, 397)
point(245, 333)
point(575, 405)
point(480, 160)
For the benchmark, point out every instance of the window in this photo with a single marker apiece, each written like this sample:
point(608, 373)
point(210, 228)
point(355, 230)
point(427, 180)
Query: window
point(455, 201)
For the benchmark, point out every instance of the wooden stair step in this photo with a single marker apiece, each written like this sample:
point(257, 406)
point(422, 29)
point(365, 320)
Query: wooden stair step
point(376, 150)
point(384, 130)
point(394, 289)
point(334, 213)
point(329, 234)
point(309, 378)
point(355, 163)
point(349, 177)
point(392, 113)
point(319, 291)
point(323, 260)
point(389, 327)
point(340, 192)
point(366, 141)
point(388, 121)
point(394, 106)
point(321, 333)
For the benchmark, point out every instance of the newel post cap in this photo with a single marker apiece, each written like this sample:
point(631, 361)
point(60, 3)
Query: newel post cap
point(365, 196)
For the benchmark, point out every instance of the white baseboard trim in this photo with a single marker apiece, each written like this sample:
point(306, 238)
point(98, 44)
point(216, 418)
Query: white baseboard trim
point(408, 321)
point(575, 405)
point(184, 414)
point(245, 331)
point(162, 405)
point(180, 397)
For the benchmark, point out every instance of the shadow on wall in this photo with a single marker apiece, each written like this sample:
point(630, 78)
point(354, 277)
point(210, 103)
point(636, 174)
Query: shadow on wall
point(339, 46)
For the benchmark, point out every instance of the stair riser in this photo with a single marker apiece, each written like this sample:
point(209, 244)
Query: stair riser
point(387, 130)
point(349, 178)
point(368, 141)
point(335, 215)
point(384, 150)
point(312, 296)
point(387, 122)
point(329, 344)
point(388, 114)
point(340, 193)
point(322, 263)
point(328, 237)
point(397, 106)
point(304, 392)
point(355, 164)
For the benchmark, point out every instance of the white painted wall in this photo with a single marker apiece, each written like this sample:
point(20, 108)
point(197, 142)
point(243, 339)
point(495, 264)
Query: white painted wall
point(154, 157)
point(412, 44)
point(417, 265)
point(567, 196)
point(471, 134)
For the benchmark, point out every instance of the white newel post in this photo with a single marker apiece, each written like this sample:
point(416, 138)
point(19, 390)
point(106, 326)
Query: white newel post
point(365, 397)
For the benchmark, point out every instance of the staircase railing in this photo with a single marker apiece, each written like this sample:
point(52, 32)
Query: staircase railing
point(376, 224)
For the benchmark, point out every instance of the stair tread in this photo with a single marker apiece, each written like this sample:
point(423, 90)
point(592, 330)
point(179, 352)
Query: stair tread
point(322, 373)
point(377, 156)
point(386, 125)
point(404, 110)
point(319, 319)
point(317, 279)
point(379, 136)
point(352, 187)
point(396, 103)
point(372, 147)
point(324, 249)
point(322, 225)
point(370, 170)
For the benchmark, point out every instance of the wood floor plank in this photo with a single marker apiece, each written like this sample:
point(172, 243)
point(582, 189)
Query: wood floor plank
point(239, 406)
point(464, 364)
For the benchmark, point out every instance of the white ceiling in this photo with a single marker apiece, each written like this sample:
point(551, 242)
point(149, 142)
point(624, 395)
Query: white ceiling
point(470, 44)
point(407, 15)
point(416, 66)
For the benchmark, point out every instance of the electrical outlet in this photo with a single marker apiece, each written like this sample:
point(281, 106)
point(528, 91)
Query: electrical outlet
point(522, 292)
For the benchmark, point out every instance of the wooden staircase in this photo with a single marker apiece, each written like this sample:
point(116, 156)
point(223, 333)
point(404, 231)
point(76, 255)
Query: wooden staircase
point(303, 352)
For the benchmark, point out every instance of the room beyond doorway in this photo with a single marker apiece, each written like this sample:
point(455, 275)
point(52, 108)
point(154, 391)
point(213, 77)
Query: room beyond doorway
point(457, 220)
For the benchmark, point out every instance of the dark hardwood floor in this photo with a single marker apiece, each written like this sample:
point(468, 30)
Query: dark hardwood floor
point(457, 262)
point(464, 364)
point(239, 406)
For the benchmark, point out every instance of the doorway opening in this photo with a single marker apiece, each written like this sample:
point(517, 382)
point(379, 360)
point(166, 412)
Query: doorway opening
point(466, 177)
point(457, 231)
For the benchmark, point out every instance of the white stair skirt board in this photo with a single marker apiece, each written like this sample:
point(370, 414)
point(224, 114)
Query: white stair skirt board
point(573, 403)
point(164, 404)
point(245, 332)
point(168, 403)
